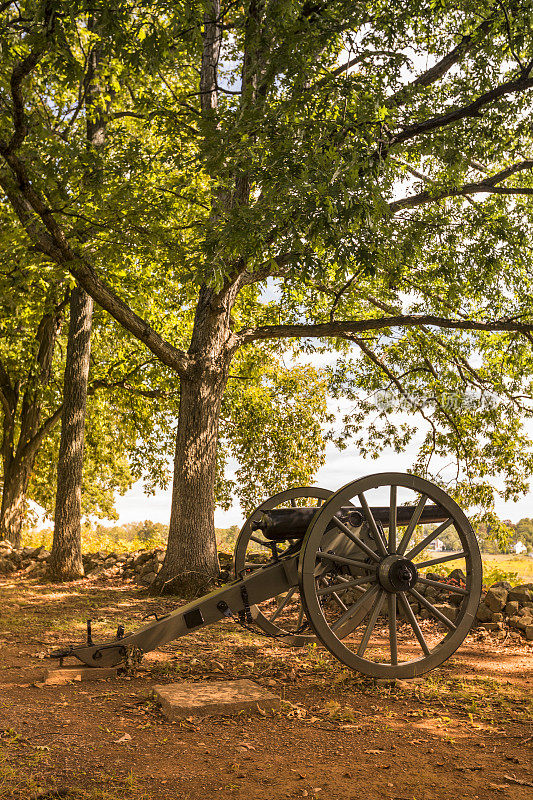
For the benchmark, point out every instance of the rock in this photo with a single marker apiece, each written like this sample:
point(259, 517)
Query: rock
point(147, 579)
point(142, 558)
point(457, 575)
point(511, 608)
point(528, 630)
point(448, 610)
point(62, 675)
point(484, 614)
point(6, 566)
point(27, 552)
point(492, 626)
point(496, 598)
point(521, 622)
point(497, 617)
point(44, 555)
point(522, 594)
point(225, 559)
point(202, 698)
point(503, 584)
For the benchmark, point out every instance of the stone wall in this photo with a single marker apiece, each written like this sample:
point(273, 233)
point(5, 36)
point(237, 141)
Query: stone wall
point(502, 608)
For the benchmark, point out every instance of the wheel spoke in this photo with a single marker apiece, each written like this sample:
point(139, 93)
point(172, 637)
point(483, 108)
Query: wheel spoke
point(393, 637)
point(413, 622)
point(283, 603)
point(441, 560)
point(355, 607)
point(300, 619)
point(351, 562)
point(336, 587)
point(433, 535)
point(432, 610)
point(371, 623)
point(373, 527)
point(339, 602)
point(392, 518)
point(449, 587)
point(413, 522)
point(353, 538)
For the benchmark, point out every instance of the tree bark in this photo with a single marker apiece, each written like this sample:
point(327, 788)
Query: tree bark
point(66, 561)
point(13, 510)
point(19, 452)
point(191, 561)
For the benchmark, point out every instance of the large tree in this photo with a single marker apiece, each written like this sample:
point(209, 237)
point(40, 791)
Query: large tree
point(32, 311)
point(370, 162)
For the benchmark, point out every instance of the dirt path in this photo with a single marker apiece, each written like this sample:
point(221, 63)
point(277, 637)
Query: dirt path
point(464, 731)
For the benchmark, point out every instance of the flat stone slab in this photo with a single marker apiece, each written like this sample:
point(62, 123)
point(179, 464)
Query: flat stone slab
point(62, 675)
point(187, 699)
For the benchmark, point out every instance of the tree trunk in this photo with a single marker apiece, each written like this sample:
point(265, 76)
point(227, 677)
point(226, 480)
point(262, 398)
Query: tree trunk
point(65, 560)
point(13, 510)
point(191, 561)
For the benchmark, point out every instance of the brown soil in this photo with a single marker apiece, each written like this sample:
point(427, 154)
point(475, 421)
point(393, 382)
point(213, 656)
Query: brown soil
point(465, 730)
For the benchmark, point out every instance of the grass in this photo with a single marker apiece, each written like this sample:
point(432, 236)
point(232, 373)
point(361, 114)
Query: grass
point(521, 565)
point(499, 567)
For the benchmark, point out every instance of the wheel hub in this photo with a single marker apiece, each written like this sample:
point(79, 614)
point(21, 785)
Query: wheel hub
point(397, 574)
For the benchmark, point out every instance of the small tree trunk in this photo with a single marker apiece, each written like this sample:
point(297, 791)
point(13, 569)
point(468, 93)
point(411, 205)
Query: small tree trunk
point(13, 508)
point(65, 561)
point(191, 561)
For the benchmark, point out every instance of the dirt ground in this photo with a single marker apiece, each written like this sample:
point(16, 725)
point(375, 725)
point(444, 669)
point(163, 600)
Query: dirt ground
point(463, 731)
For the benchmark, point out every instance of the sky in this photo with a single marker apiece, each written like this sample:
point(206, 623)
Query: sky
point(339, 468)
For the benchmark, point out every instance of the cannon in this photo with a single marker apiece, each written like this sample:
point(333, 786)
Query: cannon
point(352, 570)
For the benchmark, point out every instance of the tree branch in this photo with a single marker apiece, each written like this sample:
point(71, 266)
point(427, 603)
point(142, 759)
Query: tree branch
point(352, 63)
point(443, 66)
point(21, 70)
point(50, 240)
point(520, 84)
point(31, 447)
point(487, 185)
point(346, 329)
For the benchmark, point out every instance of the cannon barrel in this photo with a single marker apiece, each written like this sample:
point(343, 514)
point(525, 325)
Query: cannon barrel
point(291, 523)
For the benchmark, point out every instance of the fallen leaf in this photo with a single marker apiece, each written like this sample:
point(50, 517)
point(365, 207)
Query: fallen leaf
point(125, 738)
point(374, 752)
point(518, 781)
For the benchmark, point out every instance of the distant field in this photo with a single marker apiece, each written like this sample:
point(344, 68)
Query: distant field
point(522, 565)
point(515, 569)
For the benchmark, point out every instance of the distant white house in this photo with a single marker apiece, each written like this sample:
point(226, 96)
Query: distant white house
point(438, 544)
point(519, 548)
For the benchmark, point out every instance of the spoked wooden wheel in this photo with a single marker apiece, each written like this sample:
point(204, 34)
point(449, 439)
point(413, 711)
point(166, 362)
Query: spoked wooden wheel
point(283, 616)
point(401, 619)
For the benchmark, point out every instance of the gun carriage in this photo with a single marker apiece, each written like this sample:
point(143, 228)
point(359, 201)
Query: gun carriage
point(348, 569)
